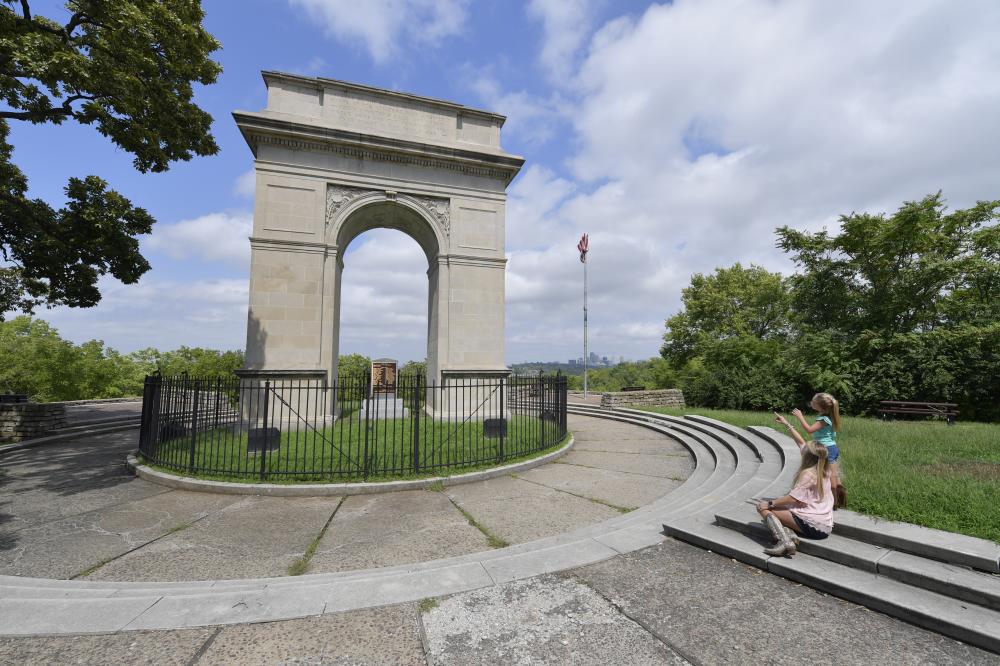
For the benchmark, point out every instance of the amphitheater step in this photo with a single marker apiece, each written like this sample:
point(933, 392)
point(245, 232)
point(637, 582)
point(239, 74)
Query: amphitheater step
point(717, 539)
point(952, 580)
point(959, 619)
point(926, 542)
point(969, 622)
point(864, 556)
point(949, 579)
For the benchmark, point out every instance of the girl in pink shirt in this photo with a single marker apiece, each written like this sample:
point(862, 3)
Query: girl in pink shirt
point(807, 510)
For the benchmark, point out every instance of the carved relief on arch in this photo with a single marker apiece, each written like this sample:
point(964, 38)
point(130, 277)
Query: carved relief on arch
point(439, 210)
point(339, 197)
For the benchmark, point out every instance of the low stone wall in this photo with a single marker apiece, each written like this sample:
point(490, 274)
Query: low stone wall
point(657, 398)
point(27, 420)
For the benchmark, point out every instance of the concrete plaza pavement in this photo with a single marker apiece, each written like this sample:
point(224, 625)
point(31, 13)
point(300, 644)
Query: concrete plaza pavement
point(72, 511)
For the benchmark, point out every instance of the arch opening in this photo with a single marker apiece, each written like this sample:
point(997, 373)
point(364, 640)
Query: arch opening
point(384, 304)
point(378, 217)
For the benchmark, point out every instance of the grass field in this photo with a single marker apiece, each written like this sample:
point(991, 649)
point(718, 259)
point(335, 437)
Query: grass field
point(339, 452)
point(922, 472)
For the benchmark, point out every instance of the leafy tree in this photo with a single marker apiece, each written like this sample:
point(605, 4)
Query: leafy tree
point(353, 365)
point(193, 361)
point(415, 369)
point(891, 307)
point(36, 360)
point(731, 302)
point(652, 374)
point(913, 271)
point(127, 68)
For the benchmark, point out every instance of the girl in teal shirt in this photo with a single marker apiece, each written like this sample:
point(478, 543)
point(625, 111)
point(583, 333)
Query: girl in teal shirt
point(824, 430)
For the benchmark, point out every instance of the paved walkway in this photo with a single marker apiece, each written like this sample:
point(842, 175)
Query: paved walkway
point(72, 511)
point(92, 411)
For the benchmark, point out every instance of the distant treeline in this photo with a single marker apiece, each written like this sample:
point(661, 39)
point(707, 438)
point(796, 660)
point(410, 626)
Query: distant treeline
point(36, 360)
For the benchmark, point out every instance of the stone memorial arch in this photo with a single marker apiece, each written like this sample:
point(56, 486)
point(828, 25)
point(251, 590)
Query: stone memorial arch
point(336, 159)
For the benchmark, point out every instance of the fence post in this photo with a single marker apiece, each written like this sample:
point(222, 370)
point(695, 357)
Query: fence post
point(368, 409)
point(147, 390)
point(416, 424)
point(503, 422)
point(154, 421)
point(541, 411)
point(263, 450)
point(194, 426)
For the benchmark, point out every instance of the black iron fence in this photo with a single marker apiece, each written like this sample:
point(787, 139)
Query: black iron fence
point(305, 430)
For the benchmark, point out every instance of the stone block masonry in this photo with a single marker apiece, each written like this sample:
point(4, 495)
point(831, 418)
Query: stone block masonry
point(657, 398)
point(22, 421)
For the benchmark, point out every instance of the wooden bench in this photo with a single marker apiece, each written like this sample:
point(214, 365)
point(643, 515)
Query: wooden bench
point(626, 389)
point(890, 408)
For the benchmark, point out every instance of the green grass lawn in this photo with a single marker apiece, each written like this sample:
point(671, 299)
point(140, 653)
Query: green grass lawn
point(338, 452)
point(922, 472)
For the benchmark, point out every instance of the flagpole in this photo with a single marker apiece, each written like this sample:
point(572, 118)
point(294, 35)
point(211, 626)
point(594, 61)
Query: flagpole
point(586, 355)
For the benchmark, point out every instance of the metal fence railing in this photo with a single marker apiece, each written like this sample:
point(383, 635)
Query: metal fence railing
point(305, 430)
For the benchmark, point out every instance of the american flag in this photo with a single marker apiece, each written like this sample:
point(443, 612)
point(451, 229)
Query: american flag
point(583, 246)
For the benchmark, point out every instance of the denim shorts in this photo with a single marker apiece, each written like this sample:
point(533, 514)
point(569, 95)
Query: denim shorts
point(807, 530)
point(832, 453)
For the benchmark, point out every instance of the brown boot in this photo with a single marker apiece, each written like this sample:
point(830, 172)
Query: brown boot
point(784, 546)
point(793, 536)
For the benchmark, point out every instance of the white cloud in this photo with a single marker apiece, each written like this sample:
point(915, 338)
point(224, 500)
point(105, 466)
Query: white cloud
point(702, 126)
point(530, 118)
point(384, 297)
point(246, 184)
point(382, 25)
point(566, 24)
point(161, 313)
point(212, 237)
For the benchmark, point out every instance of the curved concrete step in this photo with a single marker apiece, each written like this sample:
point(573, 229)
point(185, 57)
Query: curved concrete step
point(924, 541)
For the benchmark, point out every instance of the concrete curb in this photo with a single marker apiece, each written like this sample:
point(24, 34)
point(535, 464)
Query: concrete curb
point(64, 437)
point(333, 489)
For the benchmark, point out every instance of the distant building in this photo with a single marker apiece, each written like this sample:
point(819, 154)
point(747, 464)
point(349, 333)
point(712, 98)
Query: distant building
point(572, 361)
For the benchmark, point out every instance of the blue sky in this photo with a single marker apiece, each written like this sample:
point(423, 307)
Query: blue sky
point(678, 135)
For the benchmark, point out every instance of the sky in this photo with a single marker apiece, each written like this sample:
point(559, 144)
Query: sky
point(679, 135)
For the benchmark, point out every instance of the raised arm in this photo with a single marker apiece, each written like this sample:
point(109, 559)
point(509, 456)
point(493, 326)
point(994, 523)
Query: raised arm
point(791, 429)
point(797, 413)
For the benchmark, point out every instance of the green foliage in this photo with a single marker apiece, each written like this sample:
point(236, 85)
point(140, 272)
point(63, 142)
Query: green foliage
point(916, 270)
point(194, 361)
point(128, 68)
point(414, 369)
point(901, 307)
point(35, 360)
point(738, 373)
point(353, 365)
point(652, 374)
point(732, 302)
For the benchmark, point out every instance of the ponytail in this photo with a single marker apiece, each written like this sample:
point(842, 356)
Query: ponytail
point(827, 405)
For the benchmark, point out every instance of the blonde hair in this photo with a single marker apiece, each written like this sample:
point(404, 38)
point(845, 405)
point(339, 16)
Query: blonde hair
point(813, 458)
point(827, 405)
